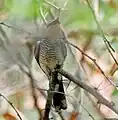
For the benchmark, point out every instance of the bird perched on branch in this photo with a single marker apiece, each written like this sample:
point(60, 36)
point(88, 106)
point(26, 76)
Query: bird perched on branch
point(50, 53)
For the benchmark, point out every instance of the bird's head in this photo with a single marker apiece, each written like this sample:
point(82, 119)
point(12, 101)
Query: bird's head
point(53, 29)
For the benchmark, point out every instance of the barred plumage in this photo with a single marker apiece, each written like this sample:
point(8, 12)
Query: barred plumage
point(50, 54)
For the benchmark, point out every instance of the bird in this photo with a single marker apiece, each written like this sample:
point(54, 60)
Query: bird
point(50, 53)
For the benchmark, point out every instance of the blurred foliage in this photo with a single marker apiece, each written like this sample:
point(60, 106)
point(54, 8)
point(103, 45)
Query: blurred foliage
point(77, 14)
point(82, 30)
point(115, 92)
point(107, 10)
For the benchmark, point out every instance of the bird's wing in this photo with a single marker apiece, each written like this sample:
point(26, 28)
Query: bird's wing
point(37, 55)
point(37, 52)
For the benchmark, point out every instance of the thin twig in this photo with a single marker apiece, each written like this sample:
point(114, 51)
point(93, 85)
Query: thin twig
point(110, 118)
point(12, 106)
point(42, 16)
point(98, 25)
point(81, 99)
point(87, 111)
point(92, 91)
point(61, 116)
point(107, 43)
point(30, 75)
point(94, 104)
point(2, 23)
point(4, 34)
point(40, 89)
point(22, 68)
point(94, 61)
point(53, 5)
point(113, 69)
point(56, 7)
point(49, 100)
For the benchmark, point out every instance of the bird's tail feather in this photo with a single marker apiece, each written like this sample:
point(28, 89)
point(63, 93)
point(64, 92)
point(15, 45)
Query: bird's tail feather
point(59, 99)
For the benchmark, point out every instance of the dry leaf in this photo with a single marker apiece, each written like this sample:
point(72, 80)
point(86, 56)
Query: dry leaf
point(74, 116)
point(8, 116)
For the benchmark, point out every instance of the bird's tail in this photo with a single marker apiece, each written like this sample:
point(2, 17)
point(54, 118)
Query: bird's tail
point(59, 99)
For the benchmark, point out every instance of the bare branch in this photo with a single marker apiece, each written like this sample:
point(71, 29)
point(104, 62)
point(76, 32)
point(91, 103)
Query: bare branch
point(32, 79)
point(51, 4)
point(56, 7)
point(87, 111)
point(107, 43)
point(113, 69)
point(94, 61)
point(61, 116)
point(94, 104)
point(29, 73)
point(110, 118)
point(42, 16)
point(12, 106)
point(4, 24)
point(92, 91)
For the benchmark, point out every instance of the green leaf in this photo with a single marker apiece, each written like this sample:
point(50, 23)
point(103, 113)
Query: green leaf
point(78, 15)
point(32, 10)
point(115, 92)
point(107, 10)
point(19, 9)
point(7, 5)
point(26, 8)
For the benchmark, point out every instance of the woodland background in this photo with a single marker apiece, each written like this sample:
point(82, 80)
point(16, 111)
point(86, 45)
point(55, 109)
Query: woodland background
point(19, 70)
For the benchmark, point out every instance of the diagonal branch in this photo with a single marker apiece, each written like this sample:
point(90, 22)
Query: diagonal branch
point(94, 61)
point(32, 80)
point(12, 106)
point(9, 26)
point(86, 111)
point(107, 43)
point(92, 91)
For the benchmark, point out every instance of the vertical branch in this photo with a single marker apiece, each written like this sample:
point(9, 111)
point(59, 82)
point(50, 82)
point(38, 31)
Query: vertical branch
point(25, 63)
point(107, 43)
point(49, 97)
point(30, 75)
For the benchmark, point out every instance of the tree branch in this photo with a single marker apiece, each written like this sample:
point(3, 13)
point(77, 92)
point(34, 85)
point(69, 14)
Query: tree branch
point(12, 106)
point(110, 118)
point(107, 43)
point(94, 61)
point(4, 24)
point(92, 91)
